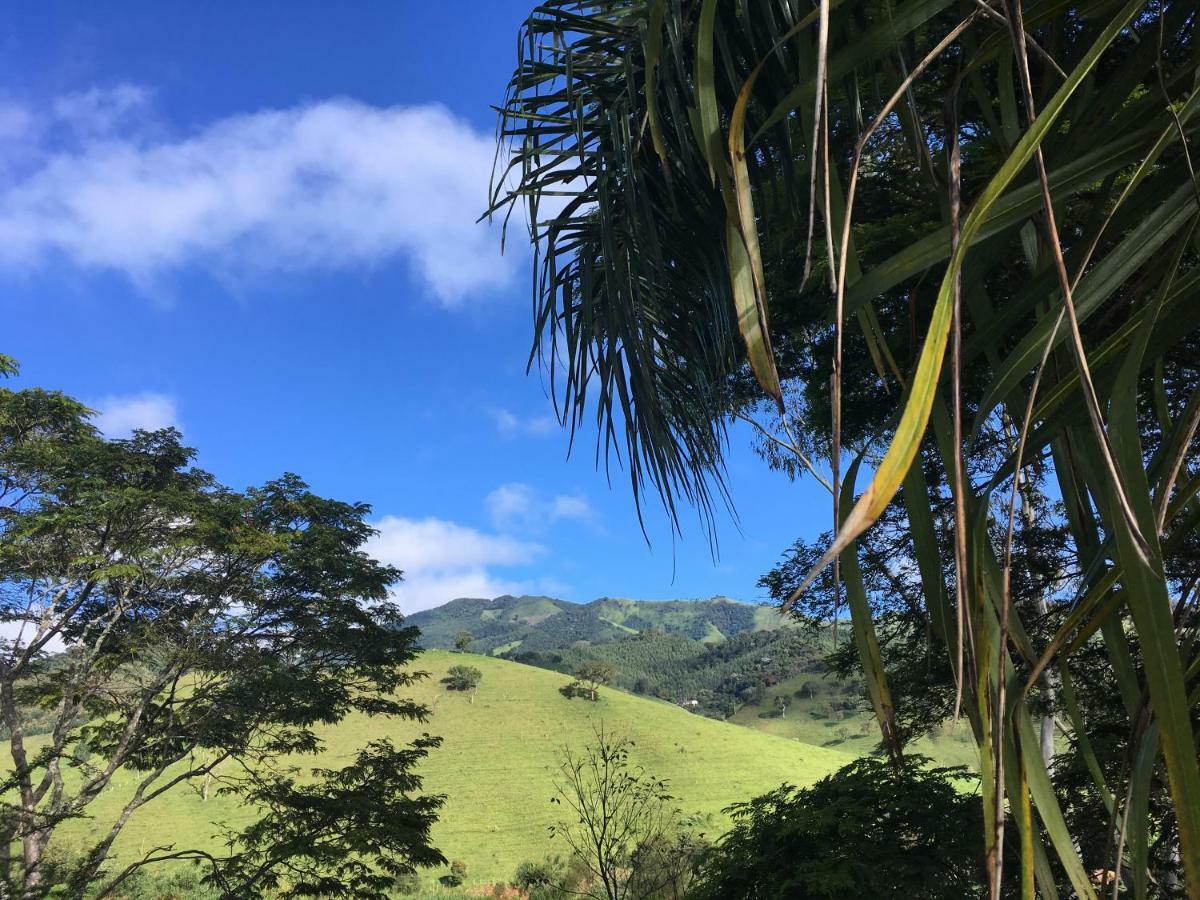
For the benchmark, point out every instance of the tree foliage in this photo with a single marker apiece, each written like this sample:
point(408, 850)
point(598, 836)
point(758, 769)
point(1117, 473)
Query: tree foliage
point(621, 822)
point(463, 678)
point(868, 830)
point(589, 678)
point(181, 632)
point(956, 245)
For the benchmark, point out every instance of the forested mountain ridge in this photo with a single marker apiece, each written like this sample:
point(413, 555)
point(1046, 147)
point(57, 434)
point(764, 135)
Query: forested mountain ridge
point(714, 657)
point(528, 624)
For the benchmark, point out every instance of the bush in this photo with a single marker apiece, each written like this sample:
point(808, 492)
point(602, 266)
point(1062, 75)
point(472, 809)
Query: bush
point(868, 830)
point(462, 678)
point(457, 875)
point(552, 878)
point(531, 875)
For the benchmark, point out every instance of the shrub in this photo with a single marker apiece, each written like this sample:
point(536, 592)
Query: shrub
point(457, 874)
point(462, 678)
point(868, 830)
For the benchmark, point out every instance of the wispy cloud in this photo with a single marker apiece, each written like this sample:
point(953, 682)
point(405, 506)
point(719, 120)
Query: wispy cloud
point(509, 424)
point(519, 506)
point(443, 560)
point(119, 416)
point(97, 112)
point(336, 184)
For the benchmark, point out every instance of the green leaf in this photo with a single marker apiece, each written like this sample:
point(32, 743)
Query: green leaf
point(923, 387)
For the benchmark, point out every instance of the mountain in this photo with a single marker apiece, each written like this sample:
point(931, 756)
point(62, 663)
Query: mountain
point(716, 658)
point(528, 624)
point(497, 762)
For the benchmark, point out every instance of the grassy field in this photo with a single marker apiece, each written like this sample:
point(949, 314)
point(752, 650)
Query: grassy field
point(497, 762)
point(816, 720)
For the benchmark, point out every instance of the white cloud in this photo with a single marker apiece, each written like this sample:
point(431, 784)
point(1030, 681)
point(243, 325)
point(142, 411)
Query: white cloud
point(98, 111)
point(571, 506)
point(119, 416)
point(443, 560)
point(336, 184)
point(510, 503)
point(518, 505)
point(509, 424)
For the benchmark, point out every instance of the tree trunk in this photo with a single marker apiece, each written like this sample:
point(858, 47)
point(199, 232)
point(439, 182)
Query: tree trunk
point(32, 848)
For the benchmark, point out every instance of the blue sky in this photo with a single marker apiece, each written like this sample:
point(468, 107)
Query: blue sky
point(256, 222)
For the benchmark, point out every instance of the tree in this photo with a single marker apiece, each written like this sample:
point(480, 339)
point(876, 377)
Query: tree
point(463, 678)
point(593, 675)
point(781, 704)
point(995, 311)
point(868, 830)
point(180, 632)
point(462, 641)
point(619, 818)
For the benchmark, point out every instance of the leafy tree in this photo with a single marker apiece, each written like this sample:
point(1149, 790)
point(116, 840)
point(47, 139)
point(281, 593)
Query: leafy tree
point(996, 315)
point(181, 632)
point(619, 819)
point(463, 678)
point(589, 678)
point(462, 641)
point(781, 704)
point(868, 830)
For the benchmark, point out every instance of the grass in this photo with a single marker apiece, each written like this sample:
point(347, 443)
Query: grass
point(496, 765)
point(853, 731)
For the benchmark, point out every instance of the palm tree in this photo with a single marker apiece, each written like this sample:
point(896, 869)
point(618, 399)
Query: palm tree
point(956, 241)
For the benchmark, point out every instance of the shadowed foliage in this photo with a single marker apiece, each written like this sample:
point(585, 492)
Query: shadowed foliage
point(956, 244)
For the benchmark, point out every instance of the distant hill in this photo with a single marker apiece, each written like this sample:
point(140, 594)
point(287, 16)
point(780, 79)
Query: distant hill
point(713, 656)
point(716, 658)
point(496, 765)
point(529, 624)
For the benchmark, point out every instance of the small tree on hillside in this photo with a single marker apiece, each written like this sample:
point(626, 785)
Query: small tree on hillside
point(463, 678)
point(589, 678)
point(463, 640)
point(180, 633)
point(621, 820)
point(781, 704)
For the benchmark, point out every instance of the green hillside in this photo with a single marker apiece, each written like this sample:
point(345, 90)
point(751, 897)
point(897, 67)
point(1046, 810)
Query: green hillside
point(496, 763)
point(533, 624)
point(721, 675)
point(829, 713)
point(720, 659)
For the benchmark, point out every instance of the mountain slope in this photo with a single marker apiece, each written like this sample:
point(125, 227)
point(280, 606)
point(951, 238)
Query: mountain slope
point(526, 624)
point(497, 763)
